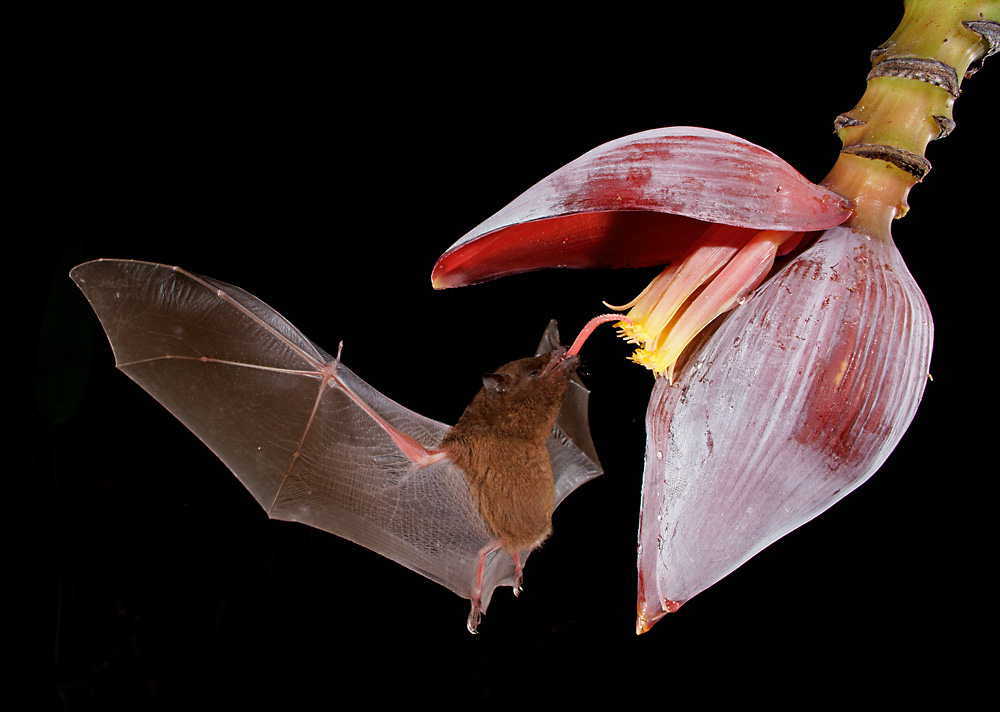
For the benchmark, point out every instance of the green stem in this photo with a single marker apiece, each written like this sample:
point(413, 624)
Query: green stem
point(916, 77)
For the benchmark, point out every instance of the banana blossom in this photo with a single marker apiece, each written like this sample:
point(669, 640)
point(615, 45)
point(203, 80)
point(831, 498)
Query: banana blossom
point(791, 399)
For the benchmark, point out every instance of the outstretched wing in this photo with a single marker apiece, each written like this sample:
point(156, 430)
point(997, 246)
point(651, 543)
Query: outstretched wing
point(286, 418)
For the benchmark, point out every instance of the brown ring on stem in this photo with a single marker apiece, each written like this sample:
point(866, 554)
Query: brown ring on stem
point(916, 165)
point(931, 71)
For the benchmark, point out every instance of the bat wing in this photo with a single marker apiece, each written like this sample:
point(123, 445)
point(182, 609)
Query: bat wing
point(310, 440)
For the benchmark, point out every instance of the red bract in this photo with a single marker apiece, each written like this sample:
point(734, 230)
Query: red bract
point(795, 400)
point(640, 201)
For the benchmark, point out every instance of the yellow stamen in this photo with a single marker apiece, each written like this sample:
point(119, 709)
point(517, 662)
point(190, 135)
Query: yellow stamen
point(712, 277)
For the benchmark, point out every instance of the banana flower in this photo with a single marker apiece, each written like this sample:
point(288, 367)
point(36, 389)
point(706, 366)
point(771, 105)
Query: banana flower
point(795, 399)
point(806, 383)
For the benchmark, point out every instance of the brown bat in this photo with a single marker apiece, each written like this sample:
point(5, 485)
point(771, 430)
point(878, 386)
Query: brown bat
point(313, 443)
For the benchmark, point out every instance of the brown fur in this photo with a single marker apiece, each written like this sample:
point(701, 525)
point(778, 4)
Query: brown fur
point(499, 442)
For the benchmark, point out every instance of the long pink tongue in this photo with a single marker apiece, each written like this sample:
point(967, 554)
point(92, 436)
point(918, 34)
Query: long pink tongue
point(588, 329)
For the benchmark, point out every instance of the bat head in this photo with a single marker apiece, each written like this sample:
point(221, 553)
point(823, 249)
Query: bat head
point(524, 376)
point(528, 390)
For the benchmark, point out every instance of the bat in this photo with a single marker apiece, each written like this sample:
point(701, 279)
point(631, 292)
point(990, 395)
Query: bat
point(313, 443)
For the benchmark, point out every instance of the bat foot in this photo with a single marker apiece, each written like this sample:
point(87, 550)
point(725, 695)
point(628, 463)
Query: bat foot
point(475, 616)
point(518, 584)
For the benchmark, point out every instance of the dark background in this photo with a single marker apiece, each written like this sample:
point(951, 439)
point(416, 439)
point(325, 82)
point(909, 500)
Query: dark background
point(323, 163)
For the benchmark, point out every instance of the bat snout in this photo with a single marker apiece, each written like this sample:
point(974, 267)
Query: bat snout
point(561, 363)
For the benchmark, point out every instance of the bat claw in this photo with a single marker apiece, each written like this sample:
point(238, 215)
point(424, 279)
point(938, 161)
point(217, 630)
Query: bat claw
point(518, 575)
point(475, 616)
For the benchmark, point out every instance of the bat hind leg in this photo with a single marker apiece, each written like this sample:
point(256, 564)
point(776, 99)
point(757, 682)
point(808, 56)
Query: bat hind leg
point(476, 614)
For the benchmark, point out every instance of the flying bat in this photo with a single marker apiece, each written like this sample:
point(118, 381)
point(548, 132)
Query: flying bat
point(313, 443)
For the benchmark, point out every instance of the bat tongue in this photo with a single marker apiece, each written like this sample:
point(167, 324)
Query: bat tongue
point(588, 329)
point(559, 359)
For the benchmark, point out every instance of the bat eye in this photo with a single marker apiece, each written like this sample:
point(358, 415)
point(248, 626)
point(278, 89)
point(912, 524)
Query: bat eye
point(535, 373)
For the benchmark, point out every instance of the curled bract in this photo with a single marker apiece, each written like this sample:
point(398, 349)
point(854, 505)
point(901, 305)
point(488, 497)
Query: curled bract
point(640, 201)
point(793, 401)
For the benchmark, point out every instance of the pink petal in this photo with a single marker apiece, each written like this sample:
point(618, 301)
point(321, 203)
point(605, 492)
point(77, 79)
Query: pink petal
point(795, 400)
point(639, 201)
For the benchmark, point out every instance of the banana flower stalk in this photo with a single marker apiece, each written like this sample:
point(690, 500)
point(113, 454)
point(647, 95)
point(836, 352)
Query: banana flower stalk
point(806, 383)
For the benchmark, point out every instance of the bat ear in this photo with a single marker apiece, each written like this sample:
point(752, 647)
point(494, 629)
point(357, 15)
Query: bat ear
point(496, 382)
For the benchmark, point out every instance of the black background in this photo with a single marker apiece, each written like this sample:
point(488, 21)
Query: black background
point(323, 162)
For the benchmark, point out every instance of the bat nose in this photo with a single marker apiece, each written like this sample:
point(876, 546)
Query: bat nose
point(560, 362)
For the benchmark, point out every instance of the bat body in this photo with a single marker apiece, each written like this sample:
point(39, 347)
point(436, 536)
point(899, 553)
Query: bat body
point(314, 443)
point(499, 444)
